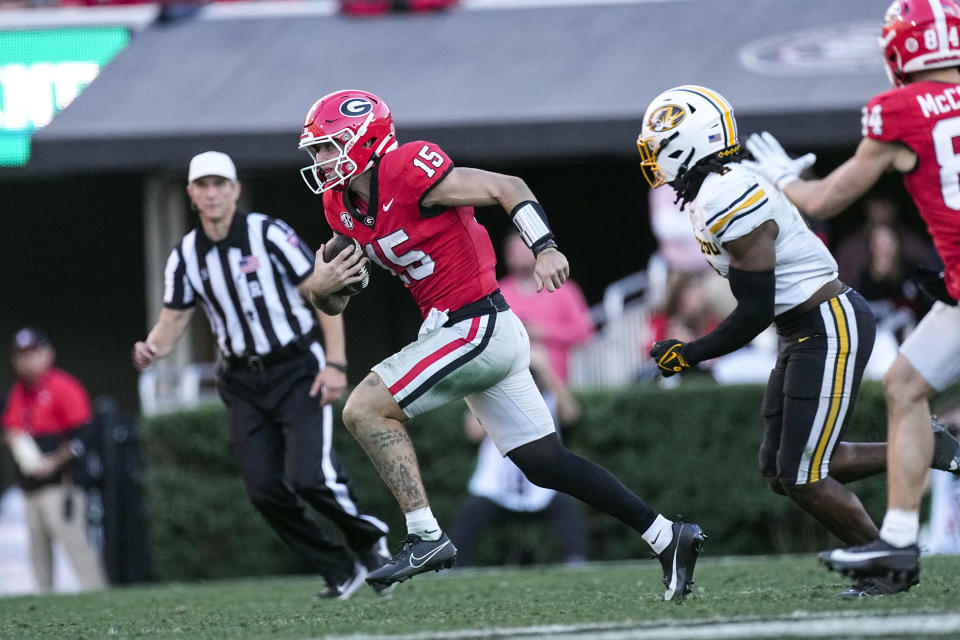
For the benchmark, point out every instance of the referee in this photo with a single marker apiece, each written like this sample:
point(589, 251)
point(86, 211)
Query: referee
point(250, 272)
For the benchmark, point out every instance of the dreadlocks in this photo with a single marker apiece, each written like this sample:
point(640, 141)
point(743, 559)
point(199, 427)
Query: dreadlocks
point(687, 184)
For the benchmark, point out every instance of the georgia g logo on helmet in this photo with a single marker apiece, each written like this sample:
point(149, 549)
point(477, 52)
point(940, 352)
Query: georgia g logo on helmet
point(665, 118)
point(355, 107)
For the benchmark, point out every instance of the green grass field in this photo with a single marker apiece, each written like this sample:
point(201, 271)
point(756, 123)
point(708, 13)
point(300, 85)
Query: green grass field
point(761, 597)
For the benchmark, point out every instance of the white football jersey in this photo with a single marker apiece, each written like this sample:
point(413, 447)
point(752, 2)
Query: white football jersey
point(732, 204)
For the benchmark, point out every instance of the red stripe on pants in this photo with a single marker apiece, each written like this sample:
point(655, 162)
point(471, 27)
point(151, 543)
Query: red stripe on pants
point(436, 355)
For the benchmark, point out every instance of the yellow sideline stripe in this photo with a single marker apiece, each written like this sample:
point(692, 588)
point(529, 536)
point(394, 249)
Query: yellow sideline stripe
point(836, 397)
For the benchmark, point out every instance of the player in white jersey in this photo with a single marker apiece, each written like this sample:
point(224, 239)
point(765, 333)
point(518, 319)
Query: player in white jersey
point(779, 272)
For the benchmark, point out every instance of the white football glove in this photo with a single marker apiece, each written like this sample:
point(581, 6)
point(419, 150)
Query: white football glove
point(772, 162)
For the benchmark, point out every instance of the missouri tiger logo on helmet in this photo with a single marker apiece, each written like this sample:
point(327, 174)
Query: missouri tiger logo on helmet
point(665, 118)
point(681, 127)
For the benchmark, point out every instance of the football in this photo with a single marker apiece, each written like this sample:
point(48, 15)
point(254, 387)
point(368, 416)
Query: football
point(332, 248)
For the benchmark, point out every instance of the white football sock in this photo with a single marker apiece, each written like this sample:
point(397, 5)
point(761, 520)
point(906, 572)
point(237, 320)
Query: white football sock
point(660, 534)
point(900, 528)
point(420, 522)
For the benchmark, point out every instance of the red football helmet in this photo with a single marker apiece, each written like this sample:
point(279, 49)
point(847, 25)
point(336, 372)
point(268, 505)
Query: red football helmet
point(918, 35)
point(358, 124)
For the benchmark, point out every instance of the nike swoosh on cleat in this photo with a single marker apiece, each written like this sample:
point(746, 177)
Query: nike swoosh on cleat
point(425, 558)
point(856, 556)
point(387, 206)
point(672, 588)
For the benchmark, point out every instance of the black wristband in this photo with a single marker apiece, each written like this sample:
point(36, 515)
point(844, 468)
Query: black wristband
point(543, 245)
point(339, 366)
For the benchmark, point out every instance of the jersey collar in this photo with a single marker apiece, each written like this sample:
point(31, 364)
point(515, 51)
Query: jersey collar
point(369, 218)
point(235, 234)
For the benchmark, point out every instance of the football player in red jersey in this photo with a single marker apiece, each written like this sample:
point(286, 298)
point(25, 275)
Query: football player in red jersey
point(412, 211)
point(912, 129)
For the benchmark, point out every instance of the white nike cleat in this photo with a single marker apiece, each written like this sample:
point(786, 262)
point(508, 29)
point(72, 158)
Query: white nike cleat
point(415, 556)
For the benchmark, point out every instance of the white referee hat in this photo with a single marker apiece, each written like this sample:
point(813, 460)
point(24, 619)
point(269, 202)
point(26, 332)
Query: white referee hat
point(212, 163)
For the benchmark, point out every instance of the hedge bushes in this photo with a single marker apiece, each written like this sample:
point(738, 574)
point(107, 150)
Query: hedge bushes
point(690, 450)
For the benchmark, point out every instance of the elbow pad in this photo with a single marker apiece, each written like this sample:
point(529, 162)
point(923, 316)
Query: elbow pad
point(755, 292)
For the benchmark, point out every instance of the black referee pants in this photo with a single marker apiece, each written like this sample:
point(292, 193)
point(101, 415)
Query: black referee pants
point(283, 442)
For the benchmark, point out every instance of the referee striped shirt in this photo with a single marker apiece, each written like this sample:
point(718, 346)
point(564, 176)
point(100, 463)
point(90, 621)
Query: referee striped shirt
point(246, 283)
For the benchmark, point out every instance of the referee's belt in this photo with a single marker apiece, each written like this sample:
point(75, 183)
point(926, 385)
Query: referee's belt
point(258, 362)
point(490, 303)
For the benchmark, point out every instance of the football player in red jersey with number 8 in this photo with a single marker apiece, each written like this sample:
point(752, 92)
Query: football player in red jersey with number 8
point(912, 129)
point(412, 211)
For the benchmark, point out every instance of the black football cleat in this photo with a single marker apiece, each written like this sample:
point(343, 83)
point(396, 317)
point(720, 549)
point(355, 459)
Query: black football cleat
point(346, 586)
point(415, 556)
point(946, 449)
point(375, 557)
point(870, 587)
point(877, 559)
point(679, 559)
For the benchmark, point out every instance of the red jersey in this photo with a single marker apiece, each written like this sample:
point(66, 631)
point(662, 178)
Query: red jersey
point(925, 116)
point(442, 254)
point(55, 405)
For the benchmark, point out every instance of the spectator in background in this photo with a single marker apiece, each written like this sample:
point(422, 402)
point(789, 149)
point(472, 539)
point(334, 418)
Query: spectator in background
point(500, 492)
point(852, 250)
point(884, 281)
point(686, 315)
point(558, 320)
point(677, 250)
point(44, 422)
point(675, 244)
